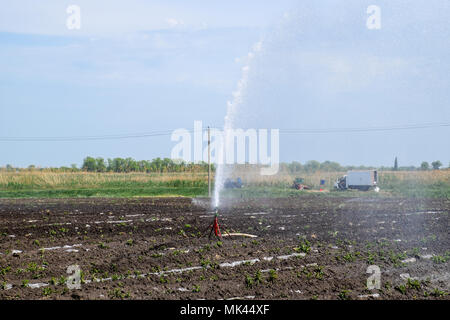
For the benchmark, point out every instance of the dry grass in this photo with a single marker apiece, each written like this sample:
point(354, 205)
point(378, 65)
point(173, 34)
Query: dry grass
point(91, 180)
point(249, 175)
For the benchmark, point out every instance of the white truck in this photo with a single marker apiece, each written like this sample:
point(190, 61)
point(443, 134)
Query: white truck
point(361, 180)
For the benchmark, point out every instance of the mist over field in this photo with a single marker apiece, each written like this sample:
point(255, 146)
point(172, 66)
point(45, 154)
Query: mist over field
point(227, 156)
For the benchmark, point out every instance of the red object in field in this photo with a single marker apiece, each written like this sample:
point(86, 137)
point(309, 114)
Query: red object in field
point(217, 228)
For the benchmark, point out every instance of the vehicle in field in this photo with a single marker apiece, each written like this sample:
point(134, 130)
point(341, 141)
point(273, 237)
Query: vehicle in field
point(299, 184)
point(230, 184)
point(361, 180)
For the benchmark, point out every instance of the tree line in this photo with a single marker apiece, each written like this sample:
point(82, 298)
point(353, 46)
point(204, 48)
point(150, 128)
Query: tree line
point(161, 165)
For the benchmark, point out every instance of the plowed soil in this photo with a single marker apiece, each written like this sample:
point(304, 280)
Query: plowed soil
point(309, 247)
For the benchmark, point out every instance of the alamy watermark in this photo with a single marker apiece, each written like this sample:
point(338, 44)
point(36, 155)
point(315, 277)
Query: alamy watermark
point(232, 146)
point(374, 20)
point(74, 278)
point(374, 281)
point(73, 21)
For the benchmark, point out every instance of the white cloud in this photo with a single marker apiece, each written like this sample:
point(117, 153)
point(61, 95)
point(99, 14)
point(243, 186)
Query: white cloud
point(112, 17)
point(343, 72)
point(174, 22)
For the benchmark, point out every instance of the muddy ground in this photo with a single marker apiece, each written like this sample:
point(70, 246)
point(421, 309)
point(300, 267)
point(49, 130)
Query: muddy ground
point(156, 248)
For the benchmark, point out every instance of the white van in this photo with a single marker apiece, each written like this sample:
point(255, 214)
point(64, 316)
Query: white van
point(361, 180)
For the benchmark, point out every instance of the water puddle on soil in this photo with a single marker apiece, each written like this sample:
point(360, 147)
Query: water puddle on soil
point(409, 260)
point(241, 298)
point(365, 296)
point(255, 213)
point(301, 254)
point(37, 285)
point(181, 270)
point(62, 247)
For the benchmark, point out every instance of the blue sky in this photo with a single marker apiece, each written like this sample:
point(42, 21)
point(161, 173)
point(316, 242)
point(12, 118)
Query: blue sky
point(141, 66)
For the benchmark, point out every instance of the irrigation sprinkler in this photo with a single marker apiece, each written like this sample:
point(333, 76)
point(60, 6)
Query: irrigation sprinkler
point(215, 226)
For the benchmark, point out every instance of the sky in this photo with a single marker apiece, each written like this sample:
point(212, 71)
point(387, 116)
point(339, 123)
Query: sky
point(144, 66)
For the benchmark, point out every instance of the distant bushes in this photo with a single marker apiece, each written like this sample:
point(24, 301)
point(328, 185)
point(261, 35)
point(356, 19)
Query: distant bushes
point(127, 165)
point(331, 166)
point(163, 165)
point(314, 166)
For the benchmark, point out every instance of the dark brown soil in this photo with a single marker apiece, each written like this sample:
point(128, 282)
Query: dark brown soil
point(134, 244)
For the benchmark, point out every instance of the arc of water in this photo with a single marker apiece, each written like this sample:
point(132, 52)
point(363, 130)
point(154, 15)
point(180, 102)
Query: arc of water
point(232, 108)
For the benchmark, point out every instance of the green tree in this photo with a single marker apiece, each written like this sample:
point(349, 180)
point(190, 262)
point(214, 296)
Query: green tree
point(330, 166)
point(89, 164)
point(117, 165)
point(295, 166)
point(312, 166)
point(424, 166)
point(395, 164)
point(100, 165)
point(436, 164)
point(131, 165)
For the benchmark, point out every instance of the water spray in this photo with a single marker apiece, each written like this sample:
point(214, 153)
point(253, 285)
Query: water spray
point(232, 112)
